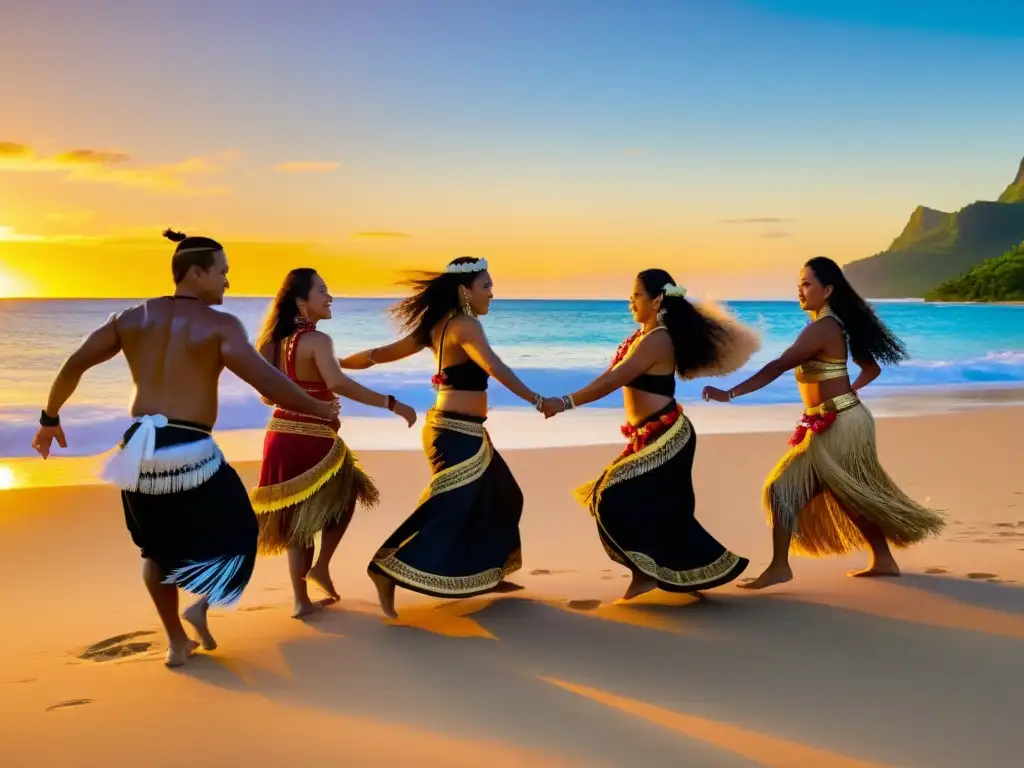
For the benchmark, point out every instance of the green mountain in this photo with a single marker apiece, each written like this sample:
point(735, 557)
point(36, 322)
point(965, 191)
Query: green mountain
point(998, 279)
point(1015, 192)
point(936, 246)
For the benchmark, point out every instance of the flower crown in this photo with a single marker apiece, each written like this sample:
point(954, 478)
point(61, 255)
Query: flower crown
point(670, 289)
point(470, 266)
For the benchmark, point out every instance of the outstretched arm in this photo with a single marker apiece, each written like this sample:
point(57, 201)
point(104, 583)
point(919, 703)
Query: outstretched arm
point(869, 371)
point(330, 371)
point(101, 345)
point(644, 354)
point(390, 353)
point(471, 335)
point(808, 345)
point(241, 358)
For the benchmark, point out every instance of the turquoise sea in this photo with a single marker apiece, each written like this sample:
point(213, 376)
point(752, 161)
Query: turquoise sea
point(555, 346)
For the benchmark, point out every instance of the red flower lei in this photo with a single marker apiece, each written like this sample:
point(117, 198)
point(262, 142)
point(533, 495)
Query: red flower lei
point(623, 348)
point(438, 380)
point(816, 423)
point(639, 437)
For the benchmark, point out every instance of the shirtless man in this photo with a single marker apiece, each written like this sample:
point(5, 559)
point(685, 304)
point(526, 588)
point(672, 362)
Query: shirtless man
point(184, 505)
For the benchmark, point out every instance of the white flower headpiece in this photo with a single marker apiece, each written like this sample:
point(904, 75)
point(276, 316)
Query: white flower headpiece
point(673, 290)
point(470, 266)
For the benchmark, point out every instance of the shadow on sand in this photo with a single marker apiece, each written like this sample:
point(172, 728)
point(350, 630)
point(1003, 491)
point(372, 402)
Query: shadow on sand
point(864, 687)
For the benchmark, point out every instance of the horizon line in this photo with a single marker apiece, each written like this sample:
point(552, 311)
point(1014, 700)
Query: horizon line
point(397, 297)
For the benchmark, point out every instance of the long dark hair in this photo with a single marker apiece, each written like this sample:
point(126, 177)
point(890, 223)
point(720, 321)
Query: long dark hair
point(696, 337)
point(434, 295)
point(869, 337)
point(282, 317)
point(191, 252)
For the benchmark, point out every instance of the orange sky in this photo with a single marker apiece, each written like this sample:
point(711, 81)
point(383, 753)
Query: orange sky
point(571, 150)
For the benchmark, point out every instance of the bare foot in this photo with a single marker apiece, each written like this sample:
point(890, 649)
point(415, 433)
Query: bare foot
point(640, 585)
point(507, 586)
point(877, 569)
point(321, 577)
point(195, 615)
point(772, 575)
point(177, 655)
point(309, 607)
point(385, 594)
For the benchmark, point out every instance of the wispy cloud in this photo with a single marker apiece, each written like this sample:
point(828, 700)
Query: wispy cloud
point(757, 220)
point(115, 167)
point(378, 235)
point(307, 166)
point(775, 235)
point(10, 235)
point(10, 149)
point(91, 157)
point(634, 152)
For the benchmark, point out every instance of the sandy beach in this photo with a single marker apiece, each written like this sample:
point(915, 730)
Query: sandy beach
point(825, 671)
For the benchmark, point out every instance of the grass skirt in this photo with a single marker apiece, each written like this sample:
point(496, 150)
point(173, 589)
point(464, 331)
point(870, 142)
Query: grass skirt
point(309, 481)
point(463, 538)
point(644, 503)
point(830, 475)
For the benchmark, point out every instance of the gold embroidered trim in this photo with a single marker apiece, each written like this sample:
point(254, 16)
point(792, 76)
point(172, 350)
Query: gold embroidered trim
point(648, 458)
point(460, 475)
point(814, 371)
point(471, 428)
point(466, 472)
point(838, 404)
point(694, 577)
point(269, 498)
point(448, 585)
point(289, 427)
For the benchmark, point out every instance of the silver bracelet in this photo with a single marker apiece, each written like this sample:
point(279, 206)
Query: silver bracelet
point(538, 403)
point(568, 403)
point(732, 395)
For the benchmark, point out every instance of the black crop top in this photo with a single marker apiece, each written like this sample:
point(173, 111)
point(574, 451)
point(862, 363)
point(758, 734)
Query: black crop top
point(463, 377)
point(655, 383)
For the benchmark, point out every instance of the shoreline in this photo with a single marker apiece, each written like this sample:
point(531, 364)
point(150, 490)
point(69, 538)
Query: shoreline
point(521, 429)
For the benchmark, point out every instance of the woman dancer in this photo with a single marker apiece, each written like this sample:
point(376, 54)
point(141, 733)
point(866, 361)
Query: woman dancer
point(310, 481)
point(463, 538)
point(644, 502)
point(829, 495)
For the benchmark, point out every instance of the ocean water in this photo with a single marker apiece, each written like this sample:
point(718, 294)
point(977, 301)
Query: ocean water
point(555, 347)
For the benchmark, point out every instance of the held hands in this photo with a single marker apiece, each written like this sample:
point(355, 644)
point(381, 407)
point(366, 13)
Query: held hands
point(551, 406)
point(44, 438)
point(718, 395)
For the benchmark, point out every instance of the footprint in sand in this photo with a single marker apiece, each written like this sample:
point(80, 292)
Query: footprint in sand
point(935, 570)
point(249, 608)
point(68, 703)
point(982, 575)
point(116, 647)
point(584, 605)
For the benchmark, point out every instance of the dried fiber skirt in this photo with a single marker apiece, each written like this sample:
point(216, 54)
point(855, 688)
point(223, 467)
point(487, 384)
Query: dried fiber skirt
point(833, 476)
point(307, 483)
